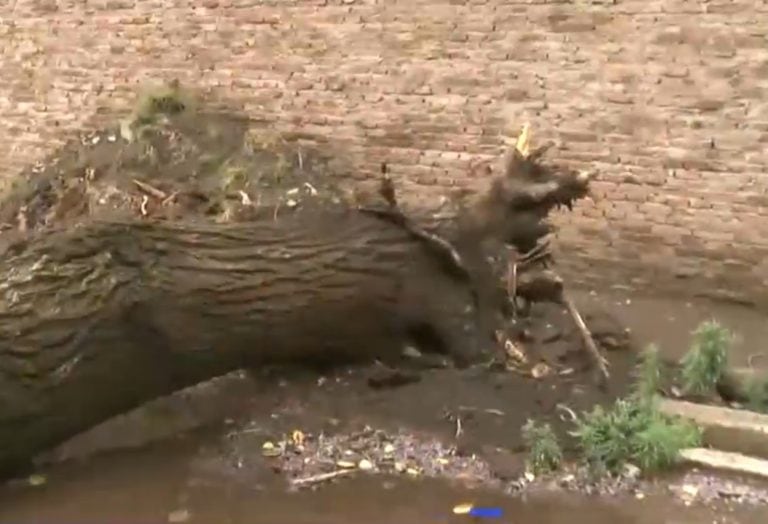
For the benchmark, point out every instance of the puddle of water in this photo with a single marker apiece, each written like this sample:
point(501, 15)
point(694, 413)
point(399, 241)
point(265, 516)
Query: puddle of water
point(147, 486)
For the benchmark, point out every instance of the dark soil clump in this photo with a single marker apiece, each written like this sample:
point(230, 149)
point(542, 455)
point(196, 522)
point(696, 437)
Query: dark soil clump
point(191, 165)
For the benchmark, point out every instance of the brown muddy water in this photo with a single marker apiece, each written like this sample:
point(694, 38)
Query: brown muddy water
point(185, 458)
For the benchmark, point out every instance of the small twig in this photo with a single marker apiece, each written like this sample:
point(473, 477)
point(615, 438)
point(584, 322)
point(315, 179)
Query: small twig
point(243, 432)
point(569, 411)
point(589, 342)
point(459, 429)
point(541, 257)
point(143, 207)
point(490, 411)
point(244, 198)
point(439, 244)
point(322, 477)
point(150, 190)
point(512, 283)
point(393, 214)
point(65, 369)
point(301, 160)
point(170, 198)
point(537, 253)
point(277, 207)
point(22, 219)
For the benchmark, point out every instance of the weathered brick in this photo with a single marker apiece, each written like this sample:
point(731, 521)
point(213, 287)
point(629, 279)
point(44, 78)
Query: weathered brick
point(665, 99)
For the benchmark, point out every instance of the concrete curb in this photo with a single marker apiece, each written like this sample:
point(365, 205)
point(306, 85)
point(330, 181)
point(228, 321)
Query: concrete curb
point(725, 429)
point(723, 460)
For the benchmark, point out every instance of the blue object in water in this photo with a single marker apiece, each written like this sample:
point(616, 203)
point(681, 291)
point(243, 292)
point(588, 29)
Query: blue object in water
point(488, 513)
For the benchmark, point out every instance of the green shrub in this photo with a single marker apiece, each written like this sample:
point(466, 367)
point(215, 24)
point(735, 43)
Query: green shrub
point(604, 436)
point(705, 362)
point(648, 378)
point(544, 453)
point(657, 445)
point(632, 432)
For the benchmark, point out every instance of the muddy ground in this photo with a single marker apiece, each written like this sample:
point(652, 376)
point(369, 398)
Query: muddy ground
point(462, 427)
point(198, 456)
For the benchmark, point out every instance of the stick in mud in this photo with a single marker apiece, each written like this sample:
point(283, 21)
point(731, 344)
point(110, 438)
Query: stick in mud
point(323, 477)
point(589, 342)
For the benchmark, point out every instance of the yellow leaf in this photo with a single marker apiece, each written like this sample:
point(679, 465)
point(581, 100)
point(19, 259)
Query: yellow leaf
point(365, 465)
point(463, 509)
point(346, 464)
point(297, 437)
point(37, 480)
point(522, 140)
point(270, 450)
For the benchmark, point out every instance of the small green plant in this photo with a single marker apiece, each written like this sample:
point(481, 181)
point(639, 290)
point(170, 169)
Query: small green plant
point(604, 435)
point(545, 454)
point(632, 432)
point(657, 445)
point(648, 379)
point(704, 363)
point(167, 99)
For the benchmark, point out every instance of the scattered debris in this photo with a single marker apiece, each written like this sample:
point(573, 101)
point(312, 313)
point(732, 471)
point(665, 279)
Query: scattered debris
point(322, 477)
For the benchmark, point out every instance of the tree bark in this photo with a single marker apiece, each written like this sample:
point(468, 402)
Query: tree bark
point(100, 319)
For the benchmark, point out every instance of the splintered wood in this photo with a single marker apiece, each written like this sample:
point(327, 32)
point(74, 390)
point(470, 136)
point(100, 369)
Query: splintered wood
point(541, 256)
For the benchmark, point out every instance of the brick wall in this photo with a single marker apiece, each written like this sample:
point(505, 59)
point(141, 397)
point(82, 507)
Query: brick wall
point(667, 98)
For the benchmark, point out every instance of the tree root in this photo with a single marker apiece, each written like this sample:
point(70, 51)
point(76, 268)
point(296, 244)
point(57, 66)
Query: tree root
point(589, 342)
point(444, 250)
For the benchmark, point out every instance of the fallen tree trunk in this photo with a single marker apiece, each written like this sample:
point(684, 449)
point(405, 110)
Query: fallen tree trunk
point(98, 319)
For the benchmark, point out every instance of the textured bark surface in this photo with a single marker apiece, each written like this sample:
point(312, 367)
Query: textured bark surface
point(100, 319)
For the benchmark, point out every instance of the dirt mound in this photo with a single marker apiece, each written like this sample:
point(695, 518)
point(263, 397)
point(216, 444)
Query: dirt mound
point(170, 162)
